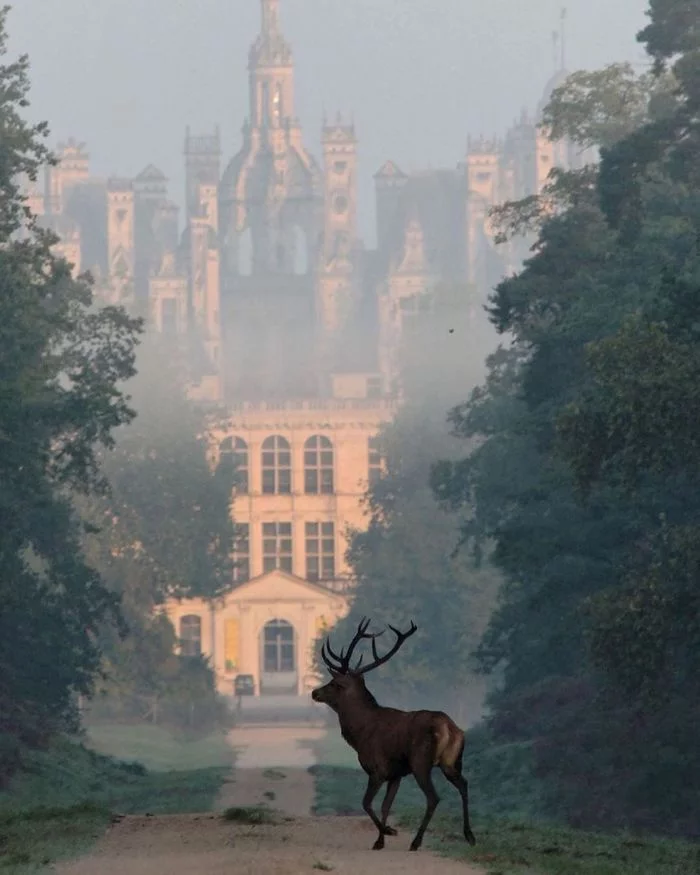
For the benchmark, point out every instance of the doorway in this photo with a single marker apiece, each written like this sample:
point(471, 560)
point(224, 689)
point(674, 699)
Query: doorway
point(279, 674)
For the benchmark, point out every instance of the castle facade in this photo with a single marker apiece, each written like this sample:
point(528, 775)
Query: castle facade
point(291, 323)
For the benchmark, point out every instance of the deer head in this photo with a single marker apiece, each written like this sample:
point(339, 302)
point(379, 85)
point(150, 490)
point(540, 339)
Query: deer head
point(348, 683)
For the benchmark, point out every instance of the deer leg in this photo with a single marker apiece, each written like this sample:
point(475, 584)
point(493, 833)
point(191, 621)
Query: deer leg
point(373, 786)
point(425, 782)
point(391, 791)
point(456, 778)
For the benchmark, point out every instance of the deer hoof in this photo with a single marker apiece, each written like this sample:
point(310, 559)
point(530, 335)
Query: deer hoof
point(390, 831)
point(379, 844)
point(414, 846)
point(469, 836)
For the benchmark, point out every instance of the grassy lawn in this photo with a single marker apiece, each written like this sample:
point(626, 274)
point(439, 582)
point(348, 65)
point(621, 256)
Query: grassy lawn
point(509, 843)
point(157, 749)
point(64, 798)
point(333, 750)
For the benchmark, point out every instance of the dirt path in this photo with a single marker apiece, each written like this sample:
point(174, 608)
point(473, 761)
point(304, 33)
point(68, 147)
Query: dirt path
point(207, 845)
point(272, 770)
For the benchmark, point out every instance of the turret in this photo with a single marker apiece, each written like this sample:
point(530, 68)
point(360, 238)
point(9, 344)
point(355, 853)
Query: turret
point(202, 170)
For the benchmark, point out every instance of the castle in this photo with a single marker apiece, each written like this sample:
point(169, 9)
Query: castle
point(292, 324)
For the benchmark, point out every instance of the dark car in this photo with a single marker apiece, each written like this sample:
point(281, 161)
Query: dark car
point(244, 685)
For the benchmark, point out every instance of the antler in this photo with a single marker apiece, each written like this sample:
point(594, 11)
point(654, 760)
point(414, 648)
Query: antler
point(380, 660)
point(340, 663)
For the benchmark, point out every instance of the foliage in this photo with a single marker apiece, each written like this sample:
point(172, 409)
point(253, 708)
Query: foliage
point(158, 749)
point(404, 563)
point(164, 530)
point(583, 472)
point(511, 838)
point(62, 363)
point(602, 107)
point(64, 798)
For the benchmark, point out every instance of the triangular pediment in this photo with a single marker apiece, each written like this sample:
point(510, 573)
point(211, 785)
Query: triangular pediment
point(282, 586)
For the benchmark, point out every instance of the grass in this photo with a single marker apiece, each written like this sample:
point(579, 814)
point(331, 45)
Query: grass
point(64, 798)
point(158, 750)
point(332, 750)
point(255, 816)
point(512, 836)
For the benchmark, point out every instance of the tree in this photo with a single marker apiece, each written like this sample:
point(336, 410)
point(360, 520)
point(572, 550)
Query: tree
point(164, 530)
point(404, 563)
point(582, 471)
point(62, 362)
point(602, 107)
point(167, 504)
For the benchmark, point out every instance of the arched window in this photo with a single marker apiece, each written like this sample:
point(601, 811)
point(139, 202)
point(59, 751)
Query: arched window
point(234, 451)
point(318, 466)
point(276, 466)
point(279, 651)
point(277, 104)
point(191, 635)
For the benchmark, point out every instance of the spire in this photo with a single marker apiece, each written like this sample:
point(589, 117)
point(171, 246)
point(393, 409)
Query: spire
point(270, 16)
point(562, 40)
point(270, 49)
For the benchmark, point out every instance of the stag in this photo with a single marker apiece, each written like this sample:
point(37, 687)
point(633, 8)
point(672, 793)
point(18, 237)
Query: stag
point(392, 744)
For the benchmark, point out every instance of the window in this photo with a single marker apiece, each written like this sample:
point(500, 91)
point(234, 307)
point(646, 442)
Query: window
point(191, 635)
point(168, 316)
point(277, 103)
point(340, 204)
point(374, 460)
point(278, 647)
point(241, 553)
point(276, 466)
point(340, 166)
point(277, 547)
point(234, 451)
point(318, 466)
point(320, 551)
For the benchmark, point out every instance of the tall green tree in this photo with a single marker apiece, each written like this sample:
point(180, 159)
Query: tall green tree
point(62, 363)
point(404, 564)
point(164, 530)
point(585, 477)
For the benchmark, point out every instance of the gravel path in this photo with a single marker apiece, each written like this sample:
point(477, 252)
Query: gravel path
point(271, 769)
point(207, 845)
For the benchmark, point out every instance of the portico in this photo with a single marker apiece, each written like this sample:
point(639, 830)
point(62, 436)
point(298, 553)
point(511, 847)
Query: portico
point(265, 627)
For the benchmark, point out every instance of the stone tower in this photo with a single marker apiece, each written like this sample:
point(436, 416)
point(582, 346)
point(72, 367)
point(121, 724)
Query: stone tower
point(120, 242)
point(202, 172)
point(483, 188)
point(72, 168)
point(336, 281)
point(270, 228)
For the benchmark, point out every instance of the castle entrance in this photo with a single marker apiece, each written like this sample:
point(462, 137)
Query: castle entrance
point(279, 673)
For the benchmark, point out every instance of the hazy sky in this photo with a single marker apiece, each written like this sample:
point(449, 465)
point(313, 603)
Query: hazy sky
point(126, 76)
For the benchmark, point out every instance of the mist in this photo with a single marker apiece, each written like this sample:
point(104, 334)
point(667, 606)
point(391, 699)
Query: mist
point(419, 76)
point(379, 309)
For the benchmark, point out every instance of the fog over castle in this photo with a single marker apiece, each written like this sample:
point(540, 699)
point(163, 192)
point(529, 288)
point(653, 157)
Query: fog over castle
point(227, 205)
point(137, 73)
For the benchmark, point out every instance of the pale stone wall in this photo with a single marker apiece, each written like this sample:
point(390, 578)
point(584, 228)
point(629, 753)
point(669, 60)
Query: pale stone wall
point(349, 425)
point(233, 630)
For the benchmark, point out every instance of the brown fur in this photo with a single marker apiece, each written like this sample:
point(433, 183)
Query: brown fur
point(393, 744)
